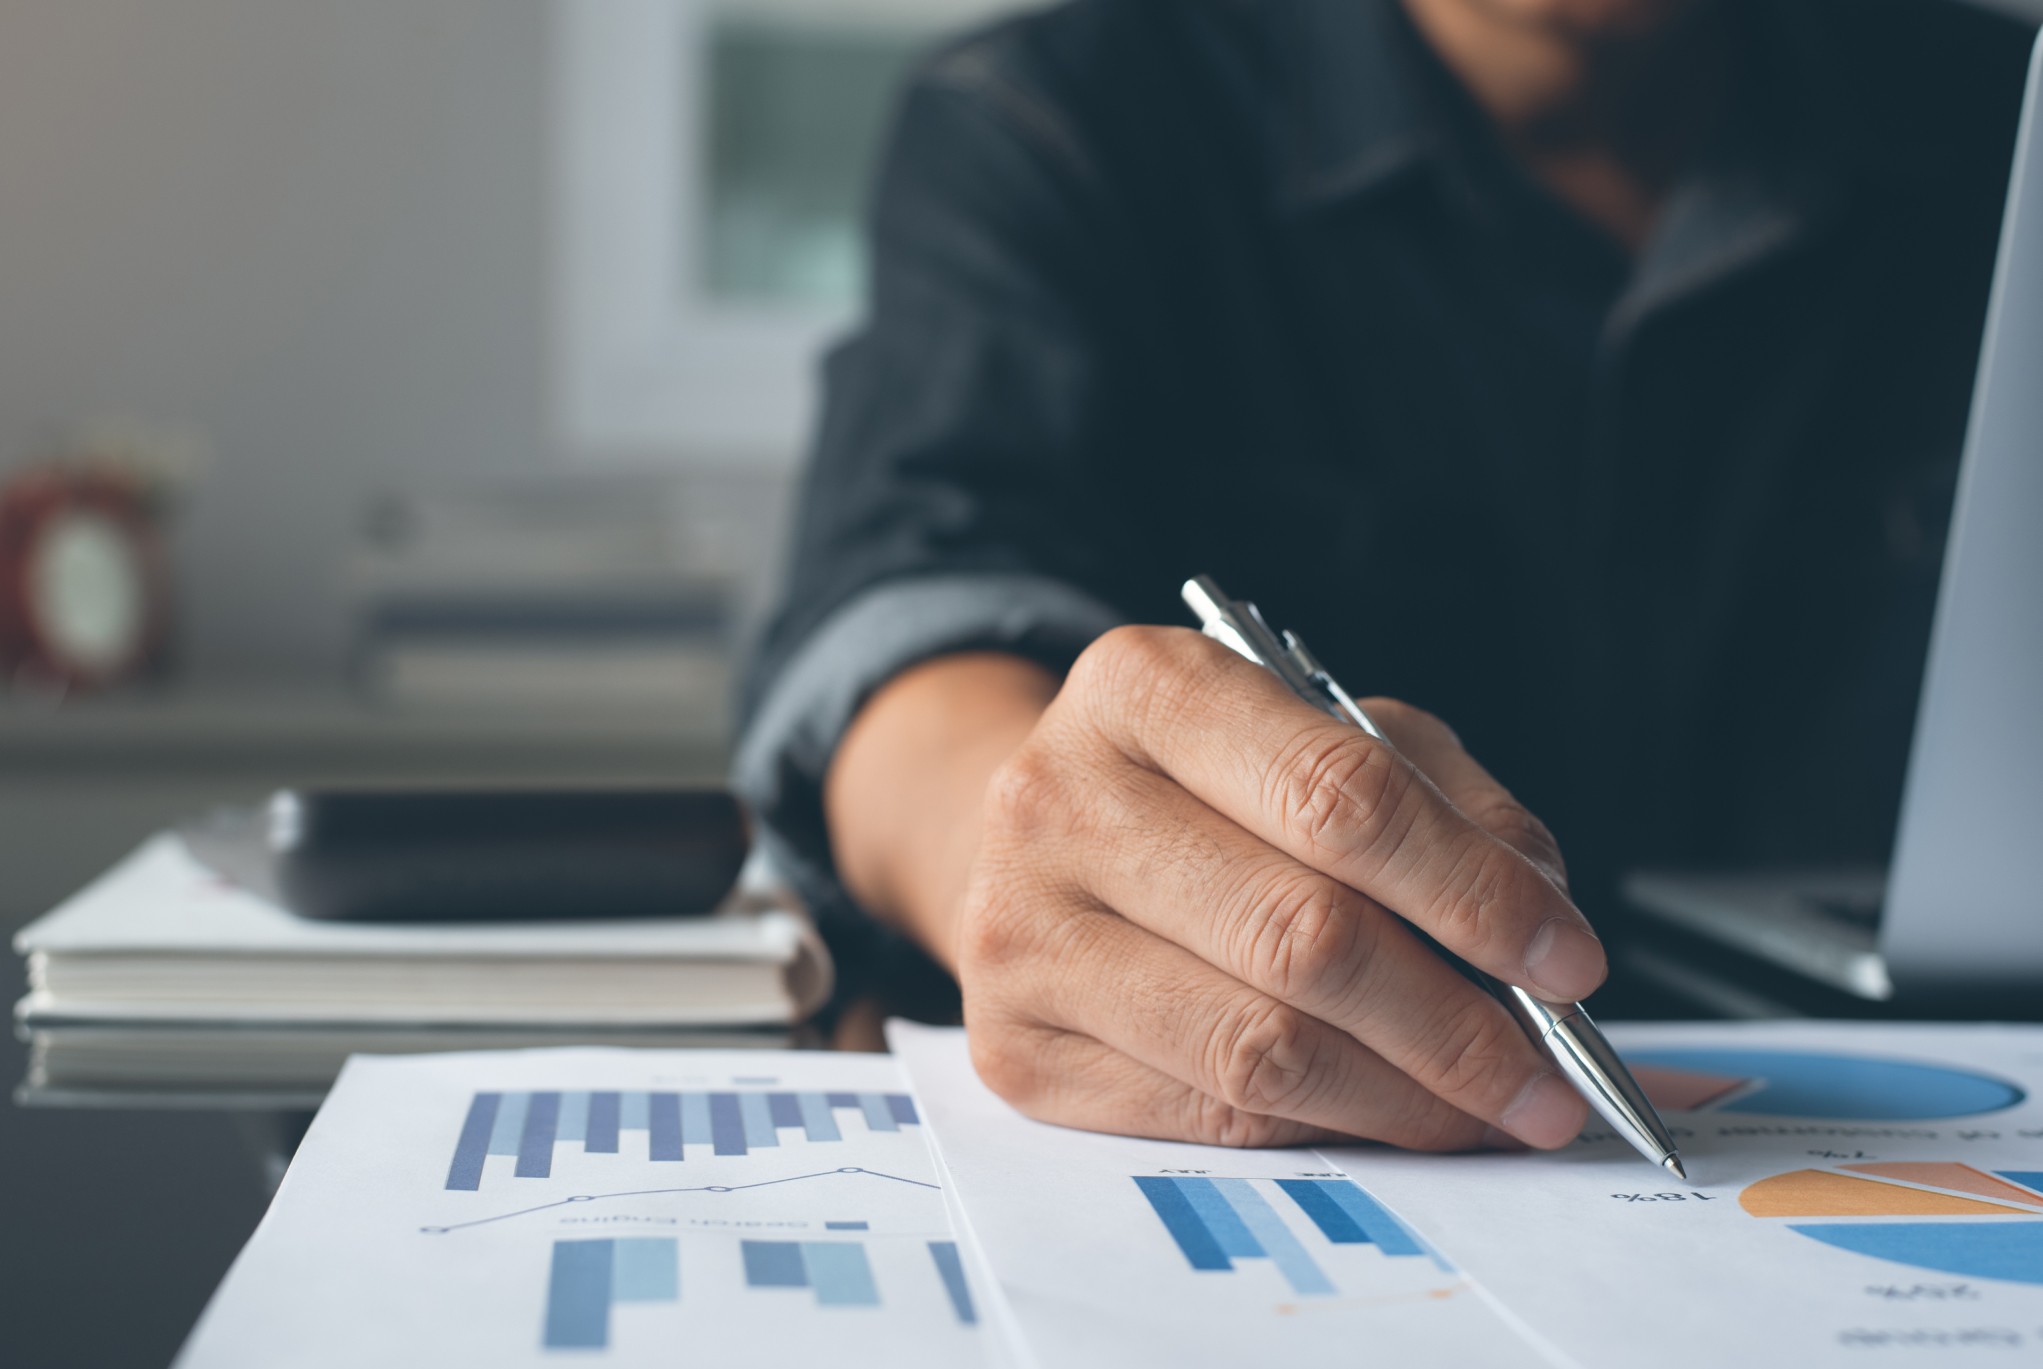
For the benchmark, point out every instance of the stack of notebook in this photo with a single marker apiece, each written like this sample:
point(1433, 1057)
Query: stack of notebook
point(165, 977)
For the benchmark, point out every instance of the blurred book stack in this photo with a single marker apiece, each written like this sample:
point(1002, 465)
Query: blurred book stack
point(164, 981)
point(547, 593)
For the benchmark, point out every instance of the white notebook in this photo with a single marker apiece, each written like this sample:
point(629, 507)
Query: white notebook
point(162, 937)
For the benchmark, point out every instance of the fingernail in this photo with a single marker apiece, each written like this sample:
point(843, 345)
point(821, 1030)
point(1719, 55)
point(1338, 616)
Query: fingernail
point(1563, 961)
point(1546, 1113)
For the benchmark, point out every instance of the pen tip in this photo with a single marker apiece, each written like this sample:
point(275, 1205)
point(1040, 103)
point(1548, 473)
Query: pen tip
point(1673, 1164)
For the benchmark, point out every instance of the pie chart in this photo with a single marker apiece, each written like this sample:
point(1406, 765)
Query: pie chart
point(1815, 1084)
point(1941, 1216)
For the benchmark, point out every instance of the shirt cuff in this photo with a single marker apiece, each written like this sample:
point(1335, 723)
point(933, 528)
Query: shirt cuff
point(786, 748)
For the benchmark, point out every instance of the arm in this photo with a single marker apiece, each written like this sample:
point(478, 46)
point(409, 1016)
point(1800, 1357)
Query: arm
point(904, 793)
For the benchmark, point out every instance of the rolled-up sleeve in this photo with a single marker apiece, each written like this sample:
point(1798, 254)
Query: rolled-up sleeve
point(960, 492)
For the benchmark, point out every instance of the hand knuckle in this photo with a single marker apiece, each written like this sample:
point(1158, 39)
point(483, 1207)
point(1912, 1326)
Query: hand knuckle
point(985, 937)
point(1263, 1058)
point(1306, 934)
point(1024, 793)
point(1335, 792)
point(1121, 659)
point(1475, 906)
point(1474, 1052)
point(1010, 1072)
point(1214, 1122)
point(1505, 818)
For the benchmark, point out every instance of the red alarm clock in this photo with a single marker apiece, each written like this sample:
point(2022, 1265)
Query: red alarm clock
point(83, 602)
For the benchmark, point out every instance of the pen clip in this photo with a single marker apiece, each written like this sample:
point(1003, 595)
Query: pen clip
point(1239, 626)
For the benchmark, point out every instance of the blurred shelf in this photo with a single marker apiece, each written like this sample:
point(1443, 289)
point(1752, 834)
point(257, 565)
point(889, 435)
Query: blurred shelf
point(309, 729)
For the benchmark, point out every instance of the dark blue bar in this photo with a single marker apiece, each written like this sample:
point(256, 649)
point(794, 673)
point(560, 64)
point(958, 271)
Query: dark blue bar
point(1386, 1231)
point(578, 1296)
point(785, 1109)
point(847, 1226)
point(1318, 1204)
point(1201, 1249)
point(535, 1143)
point(473, 1147)
point(903, 1108)
point(841, 1100)
point(726, 1124)
point(663, 1126)
point(774, 1264)
point(945, 1253)
point(601, 1137)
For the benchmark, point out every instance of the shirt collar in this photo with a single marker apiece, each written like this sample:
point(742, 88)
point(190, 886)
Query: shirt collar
point(1356, 115)
point(1363, 105)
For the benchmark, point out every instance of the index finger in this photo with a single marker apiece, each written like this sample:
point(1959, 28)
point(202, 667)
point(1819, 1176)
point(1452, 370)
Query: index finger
point(1334, 798)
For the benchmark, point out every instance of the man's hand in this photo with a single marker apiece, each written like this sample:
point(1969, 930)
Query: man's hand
point(1192, 906)
point(1183, 907)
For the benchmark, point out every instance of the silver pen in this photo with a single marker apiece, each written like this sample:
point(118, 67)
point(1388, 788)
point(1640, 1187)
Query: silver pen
point(1563, 1030)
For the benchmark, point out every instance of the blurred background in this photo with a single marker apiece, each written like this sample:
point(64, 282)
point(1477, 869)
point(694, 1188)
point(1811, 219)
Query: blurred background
point(388, 389)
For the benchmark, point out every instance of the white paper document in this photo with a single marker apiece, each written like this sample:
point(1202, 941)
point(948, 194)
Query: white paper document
point(605, 1207)
point(1108, 1251)
point(1857, 1195)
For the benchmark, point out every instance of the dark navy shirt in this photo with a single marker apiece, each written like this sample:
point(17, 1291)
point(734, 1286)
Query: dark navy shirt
point(1248, 287)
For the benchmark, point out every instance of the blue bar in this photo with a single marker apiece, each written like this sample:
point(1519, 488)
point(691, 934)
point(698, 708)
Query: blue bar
point(817, 1120)
point(903, 1108)
point(1299, 1269)
point(601, 1136)
point(1387, 1231)
point(578, 1296)
point(952, 1269)
point(535, 1142)
point(847, 1226)
point(878, 1116)
point(726, 1127)
point(840, 1274)
point(695, 1119)
point(758, 1118)
point(663, 1126)
point(1337, 1226)
point(1201, 1250)
point(631, 1110)
point(647, 1269)
point(1221, 1217)
point(510, 1127)
point(2026, 1178)
point(574, 1116)
point(473, 1147)
point(774, 1264)
point(842, 1100)
point(785, 1109)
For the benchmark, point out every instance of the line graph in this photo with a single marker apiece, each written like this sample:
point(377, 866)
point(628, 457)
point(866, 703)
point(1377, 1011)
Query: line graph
point(441, 1230)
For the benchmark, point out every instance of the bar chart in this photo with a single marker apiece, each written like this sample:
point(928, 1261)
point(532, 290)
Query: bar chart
point(1217, 1221)
point(839, 1274)
point(589, 1277)
point(656, 1125)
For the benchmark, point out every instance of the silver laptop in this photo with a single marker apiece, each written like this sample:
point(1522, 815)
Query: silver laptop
point(1962, 907)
